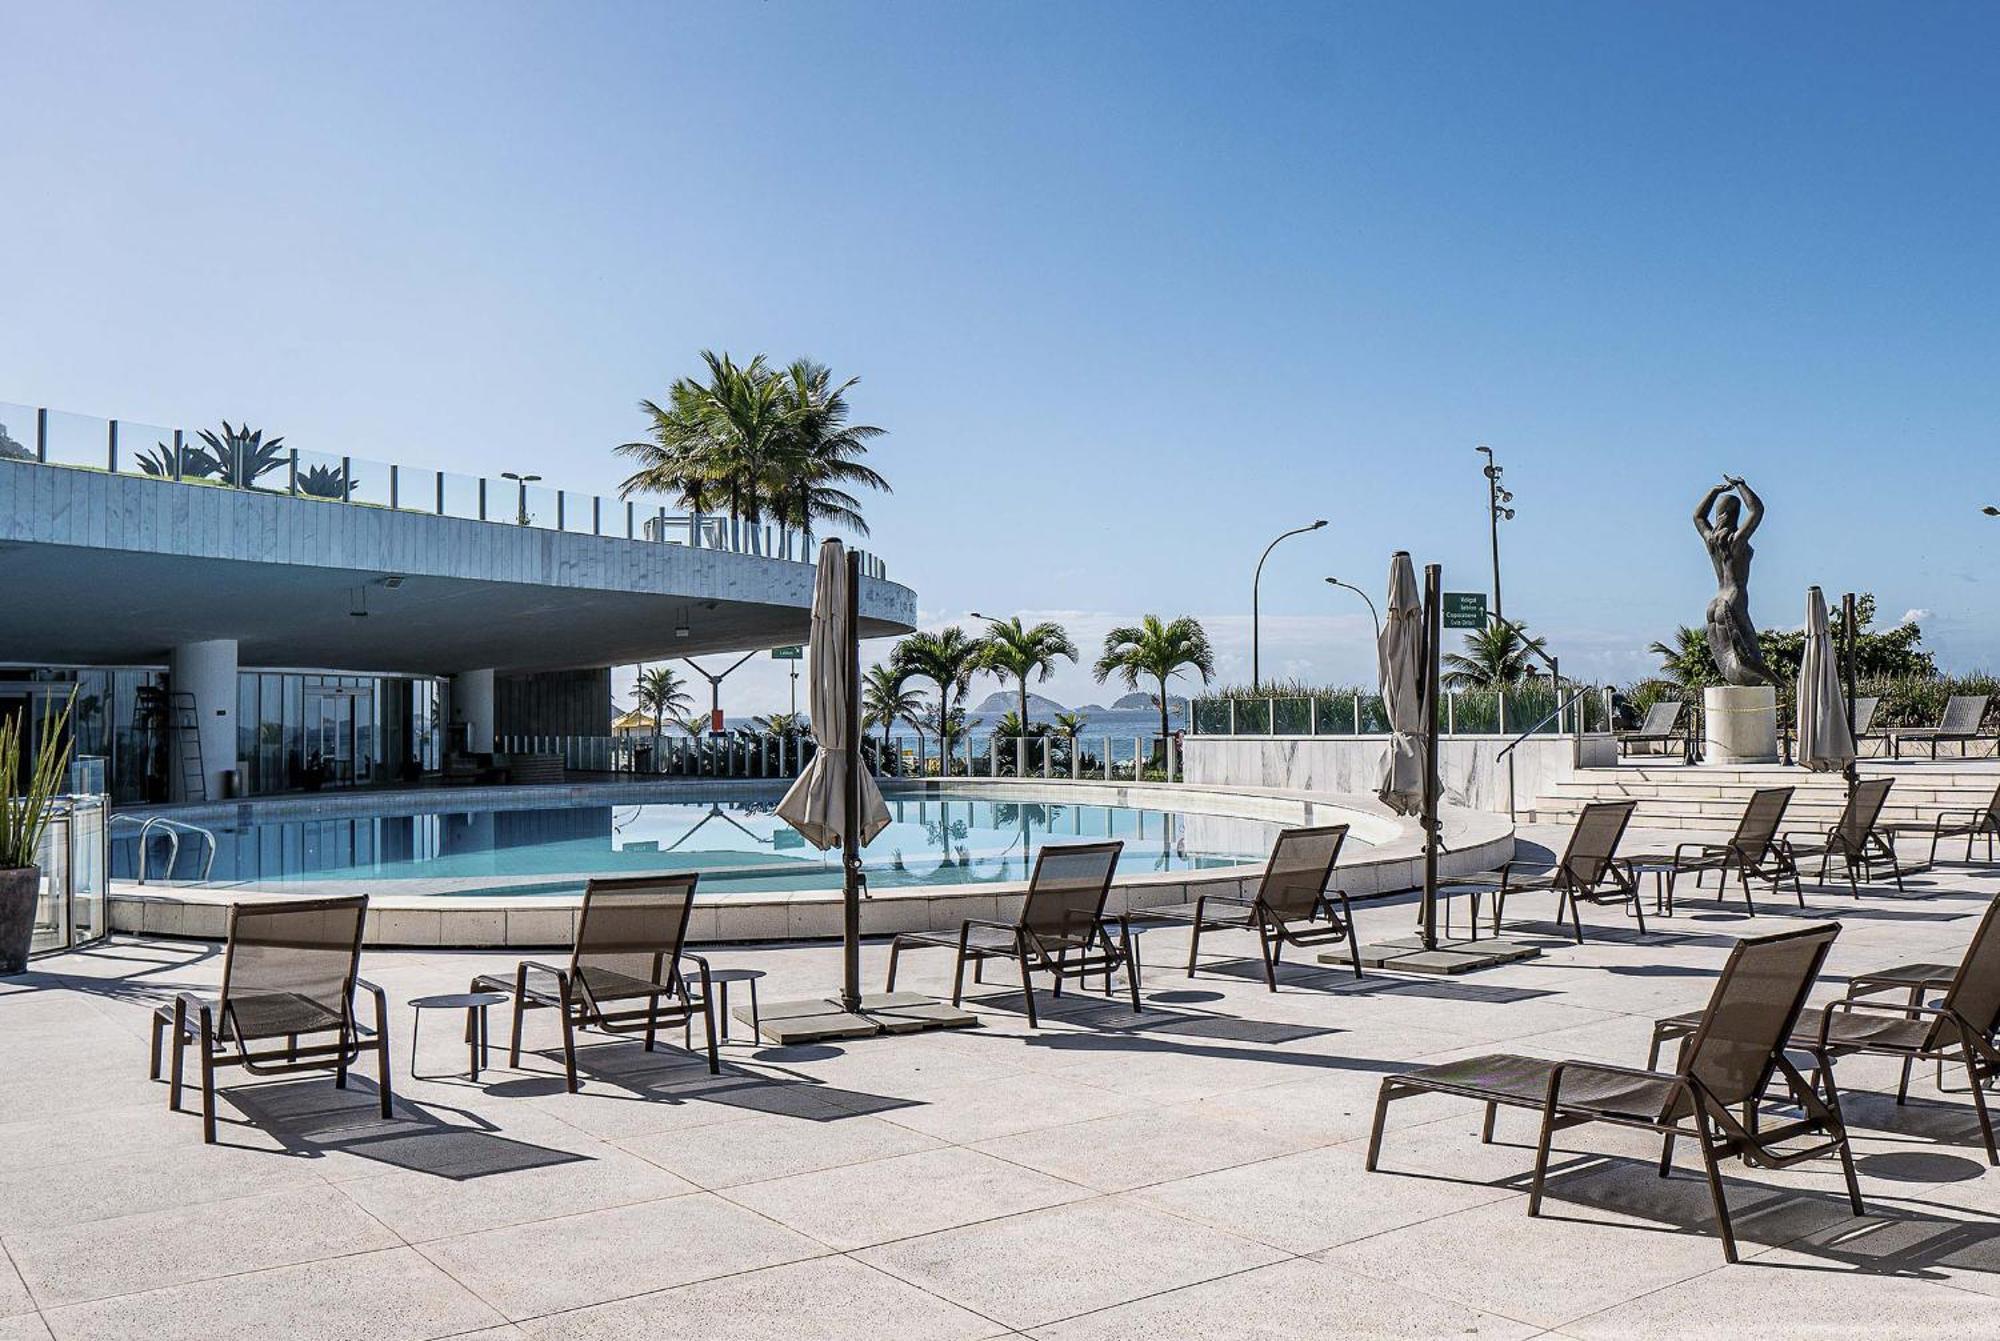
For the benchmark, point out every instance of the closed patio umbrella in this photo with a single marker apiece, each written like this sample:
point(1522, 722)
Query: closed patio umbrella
point(1400, 653)
point(1826, 744)
point(835, 800)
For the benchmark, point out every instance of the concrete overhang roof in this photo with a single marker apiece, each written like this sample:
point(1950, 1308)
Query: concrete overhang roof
point(109, 569)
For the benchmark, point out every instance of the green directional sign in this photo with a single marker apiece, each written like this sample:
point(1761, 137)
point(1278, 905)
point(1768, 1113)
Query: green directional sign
point(1464, 610)
point(798, 653)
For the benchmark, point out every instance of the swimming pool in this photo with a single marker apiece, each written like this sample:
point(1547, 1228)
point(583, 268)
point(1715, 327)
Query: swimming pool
point(452, 844)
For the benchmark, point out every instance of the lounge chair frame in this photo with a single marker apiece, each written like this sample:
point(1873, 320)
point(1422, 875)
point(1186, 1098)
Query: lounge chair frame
point(1967, 824)
point(1587, 872)
point(251, 1017)
point(1292, 906)
point(1964, 714)
point(1755, 849)
point(590, 996)
point(1699, 1099)
point(1052, 933)
point(1664, 724)
point(1858, 838)
point(1961, 1028)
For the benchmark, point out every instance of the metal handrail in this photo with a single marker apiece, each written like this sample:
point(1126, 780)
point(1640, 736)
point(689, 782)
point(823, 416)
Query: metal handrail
point(173, 829)
point(1559, 710)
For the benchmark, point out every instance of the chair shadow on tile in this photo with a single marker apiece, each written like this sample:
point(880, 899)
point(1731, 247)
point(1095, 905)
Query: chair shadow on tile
point(312, 1119)
point(625, 1071)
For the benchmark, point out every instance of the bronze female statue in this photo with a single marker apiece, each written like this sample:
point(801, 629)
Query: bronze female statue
point(1732, 639)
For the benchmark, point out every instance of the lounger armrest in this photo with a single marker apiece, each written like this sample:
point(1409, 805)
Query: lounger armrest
point(1849, 1005)
point(1855, 990)
point(995, 923)
point(1553, 1101)
point(381, 999)
point(523, 992)
point(1701, 849)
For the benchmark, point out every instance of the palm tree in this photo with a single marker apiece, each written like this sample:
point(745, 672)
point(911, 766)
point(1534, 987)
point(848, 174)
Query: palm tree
point(662, 694)
point(1070, 724)
point(713, 442)
point(817, 453)
point(1010, 649)
point(694, 725)
point(1686, 664)
point(785, 725)
point(1158, 650)
point(948, 659)
point(947, 727)
point(885, 700)
point(1495, 657)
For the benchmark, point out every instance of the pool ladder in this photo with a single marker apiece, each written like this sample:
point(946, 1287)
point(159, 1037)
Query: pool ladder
point(173, 829)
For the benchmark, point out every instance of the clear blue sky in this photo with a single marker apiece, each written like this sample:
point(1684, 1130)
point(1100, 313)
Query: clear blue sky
point(1133, 285)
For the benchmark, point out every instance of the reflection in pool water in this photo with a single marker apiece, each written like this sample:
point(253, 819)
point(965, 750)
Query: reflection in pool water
point(740, 846)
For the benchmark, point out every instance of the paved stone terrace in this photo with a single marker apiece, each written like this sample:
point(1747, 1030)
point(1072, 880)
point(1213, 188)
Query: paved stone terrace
point(1195, 1170)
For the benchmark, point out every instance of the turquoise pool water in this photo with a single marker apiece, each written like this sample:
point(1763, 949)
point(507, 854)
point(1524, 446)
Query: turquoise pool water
point(739, 846)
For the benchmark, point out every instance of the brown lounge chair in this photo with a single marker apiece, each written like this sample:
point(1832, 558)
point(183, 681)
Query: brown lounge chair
point(1725, 1066)
point(1754, 849)
point(624, 974)
point(1864, 723)
point(1292, 906)
point(290, 971)
point(1661, 727)
point(1966, 824)
point(1587, 872)
point(1062, 929)
point(1963, 714)
point(1960, 1028)
point(1858, 837)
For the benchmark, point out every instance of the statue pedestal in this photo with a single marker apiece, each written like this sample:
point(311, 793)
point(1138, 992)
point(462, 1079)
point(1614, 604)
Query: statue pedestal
point(1741, 725)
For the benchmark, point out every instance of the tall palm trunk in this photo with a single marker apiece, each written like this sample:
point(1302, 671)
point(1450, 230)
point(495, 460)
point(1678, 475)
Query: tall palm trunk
point(1164, 732)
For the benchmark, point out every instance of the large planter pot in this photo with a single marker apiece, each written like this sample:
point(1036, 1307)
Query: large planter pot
point(19, 888)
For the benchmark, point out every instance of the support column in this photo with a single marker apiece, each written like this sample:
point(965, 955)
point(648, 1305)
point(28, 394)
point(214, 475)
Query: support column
point(472, 704)
point(206, 670)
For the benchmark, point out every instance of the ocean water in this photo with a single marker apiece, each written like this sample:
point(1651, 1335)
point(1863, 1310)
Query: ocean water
point(1120, 724)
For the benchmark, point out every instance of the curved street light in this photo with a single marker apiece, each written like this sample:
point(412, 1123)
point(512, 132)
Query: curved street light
point(1336, 582)
point(521, 511)
point(1990, 510)
point(1256, 579)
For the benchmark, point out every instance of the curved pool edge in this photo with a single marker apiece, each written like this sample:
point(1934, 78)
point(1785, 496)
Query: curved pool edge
point(1473, 841)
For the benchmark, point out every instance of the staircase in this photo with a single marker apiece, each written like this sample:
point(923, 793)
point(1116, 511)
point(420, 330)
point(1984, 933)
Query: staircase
point(1675, 796)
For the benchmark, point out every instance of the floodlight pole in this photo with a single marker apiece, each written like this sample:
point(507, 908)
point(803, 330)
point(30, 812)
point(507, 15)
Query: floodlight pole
point(850, 836)
point(1433, 608)
point(715, 687)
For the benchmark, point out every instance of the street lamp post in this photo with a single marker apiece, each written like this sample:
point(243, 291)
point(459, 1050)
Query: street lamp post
point(1497, 511)
point(521, 510)
point(1256, 580)
point(1336, 582)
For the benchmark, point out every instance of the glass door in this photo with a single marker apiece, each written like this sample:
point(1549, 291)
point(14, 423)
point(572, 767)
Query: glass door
point(330, 736)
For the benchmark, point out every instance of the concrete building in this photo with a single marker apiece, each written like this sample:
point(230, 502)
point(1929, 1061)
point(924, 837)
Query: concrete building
point(292, 639)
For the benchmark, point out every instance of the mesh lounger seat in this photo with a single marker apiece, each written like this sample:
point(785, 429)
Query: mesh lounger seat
point(1754, 849)
point(1858, 837)
point(1864, 723)
point(1961, 1028)
point(1061, 931)
point(625, 973)
point(1587, 872)
point(1967, 824)
point(1726, 1065)
point(1661, 727)
point(1292, 906)
point(290, 971)
point(1963, 714)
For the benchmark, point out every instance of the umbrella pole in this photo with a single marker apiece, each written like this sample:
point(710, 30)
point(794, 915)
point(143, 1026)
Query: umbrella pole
point(850, 837)
point(1853, 770)
point(1433, 603)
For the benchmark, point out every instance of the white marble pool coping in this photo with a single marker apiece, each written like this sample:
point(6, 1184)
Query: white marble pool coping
point(1391, 860)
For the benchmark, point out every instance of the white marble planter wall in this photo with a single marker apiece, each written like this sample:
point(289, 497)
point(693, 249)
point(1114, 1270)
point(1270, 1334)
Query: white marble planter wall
point(1474, 775)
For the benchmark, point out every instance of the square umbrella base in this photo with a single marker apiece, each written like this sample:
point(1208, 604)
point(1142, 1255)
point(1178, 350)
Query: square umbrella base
point(1406, 954)
point(820, 1019)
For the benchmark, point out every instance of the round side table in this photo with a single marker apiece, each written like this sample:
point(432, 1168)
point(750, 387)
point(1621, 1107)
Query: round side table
point(720, 980)
point(475, 1005)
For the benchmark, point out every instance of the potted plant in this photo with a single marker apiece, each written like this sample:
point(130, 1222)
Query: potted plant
point(23, 817)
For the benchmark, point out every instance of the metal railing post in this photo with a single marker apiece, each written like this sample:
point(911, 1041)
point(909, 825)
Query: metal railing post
point(562, 509)
point(482, 498)
point(1357, 712)
point(440, 493)
point(395, 486)
point(597, 514)
point(630, 511)
point(1021, 755)
point(180, 445)
point(42, 441)
point(1500, 697)
point(111, 448)
point(347, 479)
point(1107, 758)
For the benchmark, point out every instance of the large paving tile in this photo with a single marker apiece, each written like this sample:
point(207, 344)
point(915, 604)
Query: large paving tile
point(14, 1296)
point(860, 1204)
point(74, 1263)
point(1136, 1149)
point(1314, 1200)
point(827, 1299)
point(420, 1205)
point(167, 1173)
point(1783, 1293)
point(1305, 1300)
point(24, 1327)
point(550, 1265)
point(1016, 1102)
point(382, 1296)
point(1048, 1265)
point(771, 1146)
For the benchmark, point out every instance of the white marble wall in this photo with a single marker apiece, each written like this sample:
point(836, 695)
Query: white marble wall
point(1474, 775)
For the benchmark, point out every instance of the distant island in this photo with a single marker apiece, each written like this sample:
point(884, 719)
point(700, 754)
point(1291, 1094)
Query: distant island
point(1009, 700)
point(1039, 705)
point(1126, 702)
